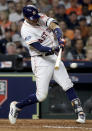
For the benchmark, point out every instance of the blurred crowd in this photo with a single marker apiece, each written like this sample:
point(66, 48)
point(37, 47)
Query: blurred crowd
point(73, 16)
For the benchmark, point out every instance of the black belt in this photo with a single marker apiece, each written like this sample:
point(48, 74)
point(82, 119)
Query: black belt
point(47, 54)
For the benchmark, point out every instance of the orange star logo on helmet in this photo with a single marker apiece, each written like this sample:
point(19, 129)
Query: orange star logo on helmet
point(34, 12)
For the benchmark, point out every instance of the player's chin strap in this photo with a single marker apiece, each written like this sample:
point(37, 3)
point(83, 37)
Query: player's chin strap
point(77, 105)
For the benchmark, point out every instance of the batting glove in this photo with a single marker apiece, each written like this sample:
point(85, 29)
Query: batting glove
point(55, 49)
point(62, 43)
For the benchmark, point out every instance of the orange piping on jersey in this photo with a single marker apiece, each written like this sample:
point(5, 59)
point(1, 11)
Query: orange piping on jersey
point(35, 69)
point(31, 42)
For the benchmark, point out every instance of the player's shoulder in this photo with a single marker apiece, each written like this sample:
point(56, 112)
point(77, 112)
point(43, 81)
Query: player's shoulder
point(42, 15)
point(26, 27)
point(45, 19)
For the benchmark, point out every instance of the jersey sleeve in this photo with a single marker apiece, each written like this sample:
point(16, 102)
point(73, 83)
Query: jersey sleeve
point(46, 20)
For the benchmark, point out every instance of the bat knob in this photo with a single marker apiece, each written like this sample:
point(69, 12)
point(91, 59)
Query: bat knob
point(56, 68)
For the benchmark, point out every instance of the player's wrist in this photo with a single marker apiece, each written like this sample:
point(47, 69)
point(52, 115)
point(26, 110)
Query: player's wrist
point(61, 43)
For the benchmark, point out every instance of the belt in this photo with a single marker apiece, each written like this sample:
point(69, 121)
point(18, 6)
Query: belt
point(47, 54)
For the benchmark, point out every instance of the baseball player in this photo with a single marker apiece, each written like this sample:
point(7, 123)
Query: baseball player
point(38, 31)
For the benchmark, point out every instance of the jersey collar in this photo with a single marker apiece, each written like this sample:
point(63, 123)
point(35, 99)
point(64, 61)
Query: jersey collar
point(26, 23)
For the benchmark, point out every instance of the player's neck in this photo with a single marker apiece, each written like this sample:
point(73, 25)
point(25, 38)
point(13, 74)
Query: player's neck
point(33, 23)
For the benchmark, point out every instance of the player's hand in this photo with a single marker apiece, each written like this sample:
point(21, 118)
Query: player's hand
point(55, 49)
point(62, 43)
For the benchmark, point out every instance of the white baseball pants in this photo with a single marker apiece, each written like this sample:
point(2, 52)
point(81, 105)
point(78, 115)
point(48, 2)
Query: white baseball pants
point(43, 68)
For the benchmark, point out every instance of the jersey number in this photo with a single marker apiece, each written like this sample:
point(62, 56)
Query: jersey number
point(43, 37)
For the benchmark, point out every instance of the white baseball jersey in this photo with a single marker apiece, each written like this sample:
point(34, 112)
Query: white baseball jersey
point(40, 33)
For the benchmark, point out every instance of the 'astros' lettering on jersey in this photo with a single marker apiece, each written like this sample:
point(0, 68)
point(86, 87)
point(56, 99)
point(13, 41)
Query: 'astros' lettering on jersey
point(39, 33)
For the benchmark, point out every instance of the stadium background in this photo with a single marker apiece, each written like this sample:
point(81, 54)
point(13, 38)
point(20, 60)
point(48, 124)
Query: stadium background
point(16, 78)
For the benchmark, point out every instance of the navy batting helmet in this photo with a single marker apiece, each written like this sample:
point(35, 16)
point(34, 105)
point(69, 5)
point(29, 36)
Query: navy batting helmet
point(30, 12)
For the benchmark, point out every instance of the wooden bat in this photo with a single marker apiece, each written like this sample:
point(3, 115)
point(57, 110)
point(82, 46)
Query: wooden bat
point(58, 59)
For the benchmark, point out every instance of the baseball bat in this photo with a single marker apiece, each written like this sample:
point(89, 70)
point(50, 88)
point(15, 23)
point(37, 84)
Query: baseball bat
point(58, 59)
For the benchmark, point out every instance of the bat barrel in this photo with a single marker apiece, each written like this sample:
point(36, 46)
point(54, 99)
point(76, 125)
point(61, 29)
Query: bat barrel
point(58, 60)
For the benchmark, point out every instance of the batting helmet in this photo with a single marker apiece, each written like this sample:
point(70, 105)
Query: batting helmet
point(30, 12)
